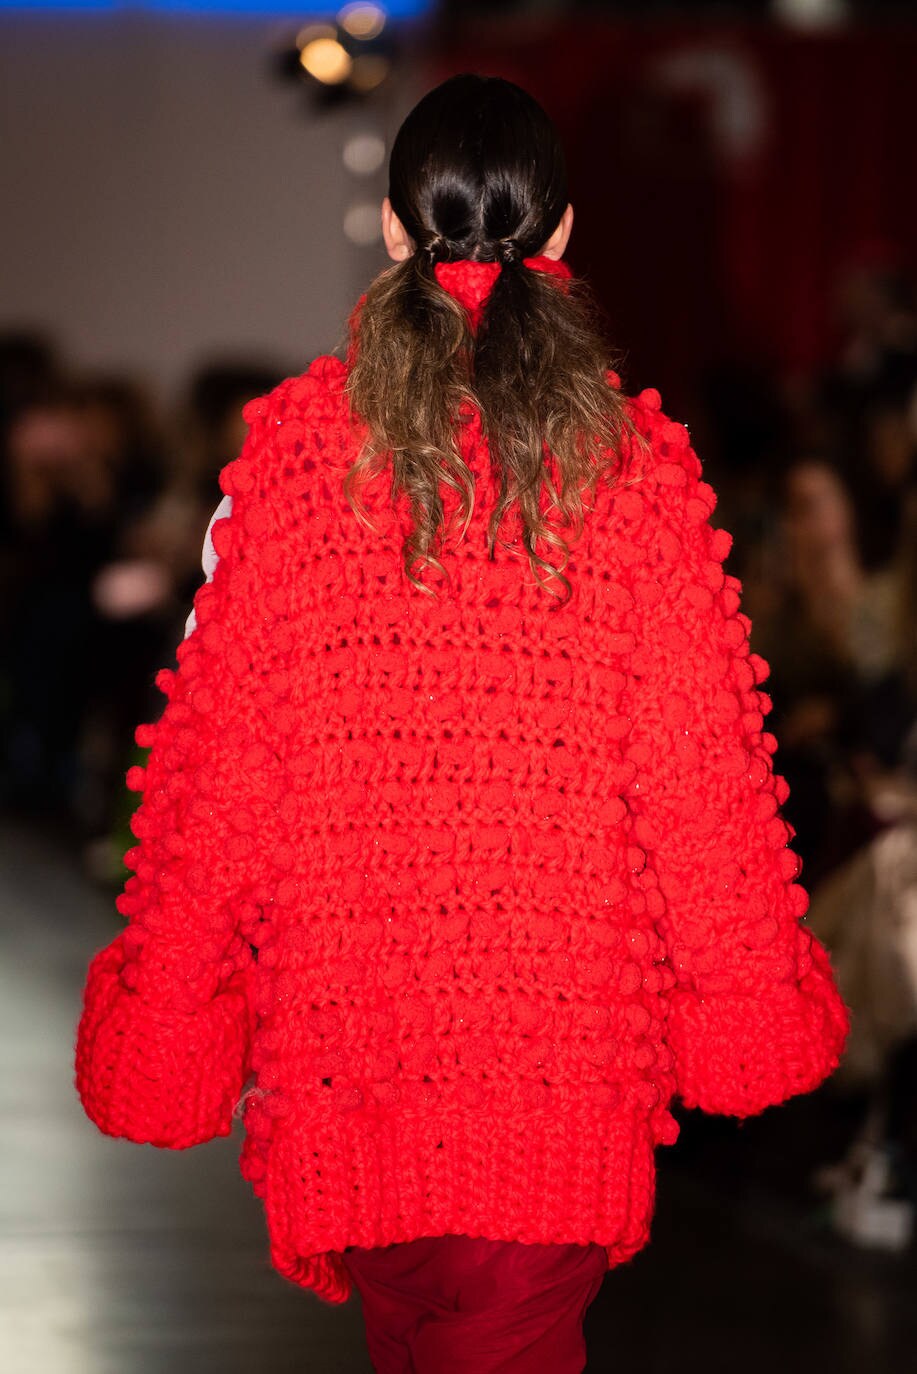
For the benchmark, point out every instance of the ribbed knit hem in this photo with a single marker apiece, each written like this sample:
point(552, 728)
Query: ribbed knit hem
point(375, 1181)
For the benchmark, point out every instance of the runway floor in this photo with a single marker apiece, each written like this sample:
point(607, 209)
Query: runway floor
point(122, 1259)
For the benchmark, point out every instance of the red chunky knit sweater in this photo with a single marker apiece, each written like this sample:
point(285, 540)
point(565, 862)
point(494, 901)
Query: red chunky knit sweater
point(472, 885)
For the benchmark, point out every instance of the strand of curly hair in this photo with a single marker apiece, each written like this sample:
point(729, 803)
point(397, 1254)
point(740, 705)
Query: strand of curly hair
point(536, 371)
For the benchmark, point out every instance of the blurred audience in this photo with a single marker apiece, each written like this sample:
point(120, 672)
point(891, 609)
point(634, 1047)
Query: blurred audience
point(68, 487)
point(103, 513)
point(830, 578)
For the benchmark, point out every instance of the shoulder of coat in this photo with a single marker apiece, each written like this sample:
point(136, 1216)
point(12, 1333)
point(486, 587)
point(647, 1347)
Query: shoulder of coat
point(669, 460)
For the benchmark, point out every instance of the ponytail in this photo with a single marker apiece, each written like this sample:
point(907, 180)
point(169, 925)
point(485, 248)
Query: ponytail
point(536, 370)
point(410, 373)
point(540, 380)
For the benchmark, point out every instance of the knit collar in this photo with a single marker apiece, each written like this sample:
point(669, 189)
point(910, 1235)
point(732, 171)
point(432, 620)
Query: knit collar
point(471, 282)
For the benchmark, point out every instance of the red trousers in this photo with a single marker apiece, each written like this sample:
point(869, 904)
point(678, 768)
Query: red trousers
point(463, 1305)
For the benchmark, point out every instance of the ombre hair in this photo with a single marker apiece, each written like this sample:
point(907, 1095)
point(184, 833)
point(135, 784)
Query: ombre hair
point(477, 172)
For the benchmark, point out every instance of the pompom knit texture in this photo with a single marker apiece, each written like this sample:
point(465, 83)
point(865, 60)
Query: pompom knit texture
point(449, 896)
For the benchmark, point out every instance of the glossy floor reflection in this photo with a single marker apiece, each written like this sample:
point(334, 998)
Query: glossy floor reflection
point(121, 1259)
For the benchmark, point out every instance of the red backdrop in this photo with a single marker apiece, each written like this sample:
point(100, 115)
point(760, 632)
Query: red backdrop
point(723, 178)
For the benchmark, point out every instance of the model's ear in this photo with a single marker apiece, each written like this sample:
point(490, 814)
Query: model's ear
point(397, 243)
point(556, 245)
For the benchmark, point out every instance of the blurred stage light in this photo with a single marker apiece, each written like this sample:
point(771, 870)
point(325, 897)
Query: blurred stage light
point(362, 223)
point(369, 71)
point(811, 14)
point(345, 59)
point(362, 21)
point(327, 60)
point(310, 32)
point(364, 154)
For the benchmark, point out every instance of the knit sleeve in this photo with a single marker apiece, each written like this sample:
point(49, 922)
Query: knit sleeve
point(754, 1013)
point(162, 1047)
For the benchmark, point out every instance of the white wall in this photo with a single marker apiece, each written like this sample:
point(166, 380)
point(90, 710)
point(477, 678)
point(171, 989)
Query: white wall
point(163, 195)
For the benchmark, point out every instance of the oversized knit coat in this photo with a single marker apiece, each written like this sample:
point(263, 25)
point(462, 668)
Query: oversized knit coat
point(448, 896)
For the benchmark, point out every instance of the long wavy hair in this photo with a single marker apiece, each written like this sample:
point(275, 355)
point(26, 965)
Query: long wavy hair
point(477, 172)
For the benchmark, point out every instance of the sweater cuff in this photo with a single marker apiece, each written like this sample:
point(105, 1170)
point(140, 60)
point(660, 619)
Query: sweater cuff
point(156, 1075)
point(737, 1054)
